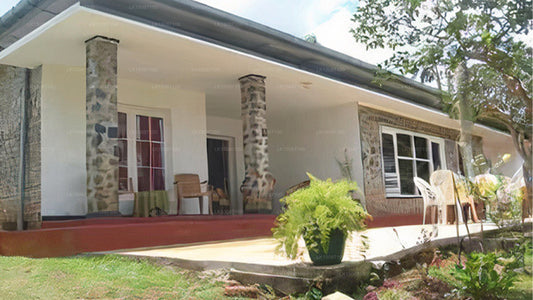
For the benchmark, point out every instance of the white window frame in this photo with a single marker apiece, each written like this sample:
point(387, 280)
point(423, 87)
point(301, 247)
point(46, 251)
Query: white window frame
point(131, 112)
point(431, 139)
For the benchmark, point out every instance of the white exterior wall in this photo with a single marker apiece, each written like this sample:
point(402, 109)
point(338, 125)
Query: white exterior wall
point(187, 130)
point(310, 141)
point(63, 136)
point(300, 141)
point(63, 171)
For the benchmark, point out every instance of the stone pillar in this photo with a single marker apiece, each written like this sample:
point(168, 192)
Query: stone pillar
point(32, 152)
point(20, 86)
point(258, 183)
point(102, 122)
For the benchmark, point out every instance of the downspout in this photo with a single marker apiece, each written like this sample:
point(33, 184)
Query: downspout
point(22, 164)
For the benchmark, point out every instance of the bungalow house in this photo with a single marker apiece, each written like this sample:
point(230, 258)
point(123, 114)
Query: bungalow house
point(95, 92)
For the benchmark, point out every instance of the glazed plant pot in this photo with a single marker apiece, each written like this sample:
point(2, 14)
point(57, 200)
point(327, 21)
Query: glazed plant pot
point(337, 241)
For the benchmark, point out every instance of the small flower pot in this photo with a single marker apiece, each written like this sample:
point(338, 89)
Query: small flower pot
point(335, 251)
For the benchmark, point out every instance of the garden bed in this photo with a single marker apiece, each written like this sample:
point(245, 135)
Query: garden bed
point(503, 271)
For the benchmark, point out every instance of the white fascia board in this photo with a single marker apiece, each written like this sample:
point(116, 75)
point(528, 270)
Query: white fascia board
point(40, 30)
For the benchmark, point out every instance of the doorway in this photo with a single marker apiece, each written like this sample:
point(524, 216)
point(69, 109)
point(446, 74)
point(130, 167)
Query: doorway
point(220, 169)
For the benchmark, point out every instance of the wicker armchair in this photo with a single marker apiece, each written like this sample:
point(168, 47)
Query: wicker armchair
point(189, 186)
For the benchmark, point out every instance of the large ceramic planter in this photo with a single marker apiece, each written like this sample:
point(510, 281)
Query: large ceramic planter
point(337, 241)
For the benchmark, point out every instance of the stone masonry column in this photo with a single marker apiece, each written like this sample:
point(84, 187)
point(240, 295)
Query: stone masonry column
point(102, 122)
point(258, 183)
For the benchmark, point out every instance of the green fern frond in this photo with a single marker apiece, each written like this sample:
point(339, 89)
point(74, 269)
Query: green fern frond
point(313, 212)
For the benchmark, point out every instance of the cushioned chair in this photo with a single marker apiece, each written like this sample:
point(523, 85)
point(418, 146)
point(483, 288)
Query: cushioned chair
point(432, 198)
point(189, 186)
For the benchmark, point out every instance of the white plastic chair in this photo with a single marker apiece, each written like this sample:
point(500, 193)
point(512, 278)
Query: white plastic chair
point(517, 181)
point(430, 196)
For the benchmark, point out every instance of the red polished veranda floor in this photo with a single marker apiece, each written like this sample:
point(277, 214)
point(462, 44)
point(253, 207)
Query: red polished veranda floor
point(65, 238)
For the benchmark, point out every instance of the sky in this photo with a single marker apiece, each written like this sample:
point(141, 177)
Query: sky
point(329, 20)
point(6, 5)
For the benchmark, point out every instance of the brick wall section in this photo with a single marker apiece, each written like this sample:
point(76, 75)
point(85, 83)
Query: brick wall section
point(15, 88)
point(370, 121)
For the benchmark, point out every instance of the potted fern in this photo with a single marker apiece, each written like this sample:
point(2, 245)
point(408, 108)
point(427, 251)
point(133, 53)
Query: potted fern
point(323, 213)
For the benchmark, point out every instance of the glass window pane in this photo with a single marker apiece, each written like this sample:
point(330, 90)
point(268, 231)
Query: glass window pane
point(143, 179)
point(156, 129)
point(143, 128)
point(403, 142)
point(157, 155)
point(406, 177)
point(122, 152)
point(123, 172)
point(422, 170)
point(122, 125)
point(435, 151)
point(158, 179)
point(421, 147)
point(150, 158)
point(123, 178)
point(123, 184)
point(143, 154)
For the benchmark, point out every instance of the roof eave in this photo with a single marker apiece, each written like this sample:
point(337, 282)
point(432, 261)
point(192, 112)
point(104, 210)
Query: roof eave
point(215, 26)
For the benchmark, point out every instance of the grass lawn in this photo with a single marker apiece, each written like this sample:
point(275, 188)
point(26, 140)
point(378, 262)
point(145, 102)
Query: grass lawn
point(103, 277)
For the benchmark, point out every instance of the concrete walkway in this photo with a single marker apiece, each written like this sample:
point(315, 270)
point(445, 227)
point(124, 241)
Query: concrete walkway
point(261, 251)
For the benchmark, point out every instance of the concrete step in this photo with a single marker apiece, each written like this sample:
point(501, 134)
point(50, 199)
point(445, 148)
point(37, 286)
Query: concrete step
point(285, 284)
point(299, 277)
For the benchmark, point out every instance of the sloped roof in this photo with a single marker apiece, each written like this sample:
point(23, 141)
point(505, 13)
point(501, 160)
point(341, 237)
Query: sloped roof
point(215, 26)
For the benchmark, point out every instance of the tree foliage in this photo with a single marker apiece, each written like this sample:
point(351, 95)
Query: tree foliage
point(432, 39)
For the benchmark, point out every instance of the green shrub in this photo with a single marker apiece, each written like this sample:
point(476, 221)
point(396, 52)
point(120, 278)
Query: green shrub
point(486, 276)
point(313, 212)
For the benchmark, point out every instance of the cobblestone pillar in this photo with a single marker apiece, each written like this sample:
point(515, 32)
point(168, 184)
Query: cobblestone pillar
point(19, 85)
point(32, 152)
point(258, 183)
point(102, 122)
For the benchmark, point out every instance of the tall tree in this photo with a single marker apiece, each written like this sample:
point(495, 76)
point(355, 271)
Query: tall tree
point(472, 49)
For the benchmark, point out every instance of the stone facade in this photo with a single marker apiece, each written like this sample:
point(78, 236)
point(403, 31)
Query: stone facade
point(452, 155)
point(17, 85)
point(32, 182)
point(370, 121)
point(102, 122)
point(258, 183)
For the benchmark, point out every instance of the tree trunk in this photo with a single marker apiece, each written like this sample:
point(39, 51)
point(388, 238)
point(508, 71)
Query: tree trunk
point(465, 146)
point(466, 118)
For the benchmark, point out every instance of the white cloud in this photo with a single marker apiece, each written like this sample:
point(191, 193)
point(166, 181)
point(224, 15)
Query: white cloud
point(329, 20)
point(6, 5)
point(335, 34)
point(295, 17)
